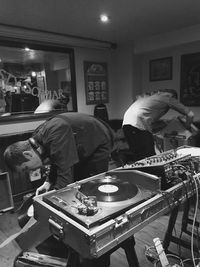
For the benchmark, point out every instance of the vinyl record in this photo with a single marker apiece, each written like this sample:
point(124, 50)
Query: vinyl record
point(109, 189)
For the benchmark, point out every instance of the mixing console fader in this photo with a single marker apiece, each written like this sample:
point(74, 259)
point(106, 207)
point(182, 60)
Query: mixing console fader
point(169, 166)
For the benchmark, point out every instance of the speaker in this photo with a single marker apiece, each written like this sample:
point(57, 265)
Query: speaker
point(6, 198)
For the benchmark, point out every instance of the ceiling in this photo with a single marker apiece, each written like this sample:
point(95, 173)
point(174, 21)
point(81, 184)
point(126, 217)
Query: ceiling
point(130, 19)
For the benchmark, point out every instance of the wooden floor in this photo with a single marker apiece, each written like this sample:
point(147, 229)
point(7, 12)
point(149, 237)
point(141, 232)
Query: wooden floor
point(9, 226)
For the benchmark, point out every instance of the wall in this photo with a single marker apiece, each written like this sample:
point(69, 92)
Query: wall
point(128, 75)
point(175, 44)
point(123, 80)
point(119, 75)
point(81, 55)
point(119, 78)
point(176, 53)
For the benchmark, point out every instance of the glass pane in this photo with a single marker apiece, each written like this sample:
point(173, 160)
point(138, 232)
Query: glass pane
point(30, 77)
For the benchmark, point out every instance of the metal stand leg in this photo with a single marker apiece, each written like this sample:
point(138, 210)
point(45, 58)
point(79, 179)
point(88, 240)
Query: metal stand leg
point(168, 234)
point(129, 248)
point(103, 261)
point(73, 259)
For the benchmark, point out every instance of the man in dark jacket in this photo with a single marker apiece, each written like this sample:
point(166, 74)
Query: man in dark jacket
point(75, 145)
point(72, 143)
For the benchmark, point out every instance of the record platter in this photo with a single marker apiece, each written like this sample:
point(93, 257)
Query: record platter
point(95, 200)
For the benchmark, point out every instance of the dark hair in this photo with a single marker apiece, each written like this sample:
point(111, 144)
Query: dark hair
point(13, 155)
point(171, 91)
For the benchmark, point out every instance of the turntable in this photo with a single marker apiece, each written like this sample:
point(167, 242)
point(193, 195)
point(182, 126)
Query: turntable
point(95, 200)
point(95, 215)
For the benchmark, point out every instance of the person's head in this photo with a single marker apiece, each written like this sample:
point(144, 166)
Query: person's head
point(64, 99)
point(50, 105)
point(20, 156)
point(171, 92)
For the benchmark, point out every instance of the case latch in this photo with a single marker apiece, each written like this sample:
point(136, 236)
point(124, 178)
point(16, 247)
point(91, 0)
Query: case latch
point(121, 220)
point(56, 229)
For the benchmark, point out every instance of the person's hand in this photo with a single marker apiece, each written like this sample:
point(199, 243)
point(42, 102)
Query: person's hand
point(189, 120)
point(43, 188)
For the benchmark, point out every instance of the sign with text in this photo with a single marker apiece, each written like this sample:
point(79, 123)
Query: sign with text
point(96, 82)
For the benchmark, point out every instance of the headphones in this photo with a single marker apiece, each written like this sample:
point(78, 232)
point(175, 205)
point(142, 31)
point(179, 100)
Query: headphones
point(35, 146)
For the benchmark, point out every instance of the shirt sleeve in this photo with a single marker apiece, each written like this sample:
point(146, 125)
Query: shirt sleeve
point(61, 146)
point(177, 106)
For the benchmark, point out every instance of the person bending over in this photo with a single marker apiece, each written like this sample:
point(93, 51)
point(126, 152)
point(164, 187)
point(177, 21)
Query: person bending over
point(75, 145)
point(146, 110)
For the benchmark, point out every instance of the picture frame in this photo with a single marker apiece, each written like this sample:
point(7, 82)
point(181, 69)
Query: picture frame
point(160, 69)
point(190, 80)
point(96, 82)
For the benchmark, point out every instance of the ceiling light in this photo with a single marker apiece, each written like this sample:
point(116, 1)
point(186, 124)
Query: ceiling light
point(33, 73)
point(104, 18)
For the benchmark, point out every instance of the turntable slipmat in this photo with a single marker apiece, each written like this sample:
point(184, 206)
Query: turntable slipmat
point(109, 189)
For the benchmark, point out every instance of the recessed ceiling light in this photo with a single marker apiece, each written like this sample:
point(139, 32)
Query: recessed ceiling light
point(104, 18)
point(33, 74)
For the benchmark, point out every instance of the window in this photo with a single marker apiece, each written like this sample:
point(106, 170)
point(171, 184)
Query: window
point(32, 74)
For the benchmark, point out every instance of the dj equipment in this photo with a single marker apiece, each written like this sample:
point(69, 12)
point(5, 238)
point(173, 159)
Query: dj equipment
point(170, 166)
point(30, 259)
point(94, 201)
point(95, 215)
point(169, 260)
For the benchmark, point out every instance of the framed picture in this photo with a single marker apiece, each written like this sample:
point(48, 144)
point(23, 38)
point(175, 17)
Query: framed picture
point(190, 79)
point(96, 82)
point(160, 69)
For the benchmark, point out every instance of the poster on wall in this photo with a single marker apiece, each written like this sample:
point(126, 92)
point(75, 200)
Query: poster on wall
point(96, 82)
point(160, 69)
point(190, 79)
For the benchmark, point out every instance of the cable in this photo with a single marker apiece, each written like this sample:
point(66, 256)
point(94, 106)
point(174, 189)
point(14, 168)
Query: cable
point(153, 256)
point(194, 220)
point(180, 165)
point(190, 260)
point(151, 253)
point(164, 194)
point(198, 223)
point(176, 257)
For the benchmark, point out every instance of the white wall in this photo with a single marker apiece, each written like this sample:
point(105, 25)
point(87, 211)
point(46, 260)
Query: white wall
point(176, 53)
point(123, 80)
point(119, 78)
point(175, 44)
point(81, 55)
